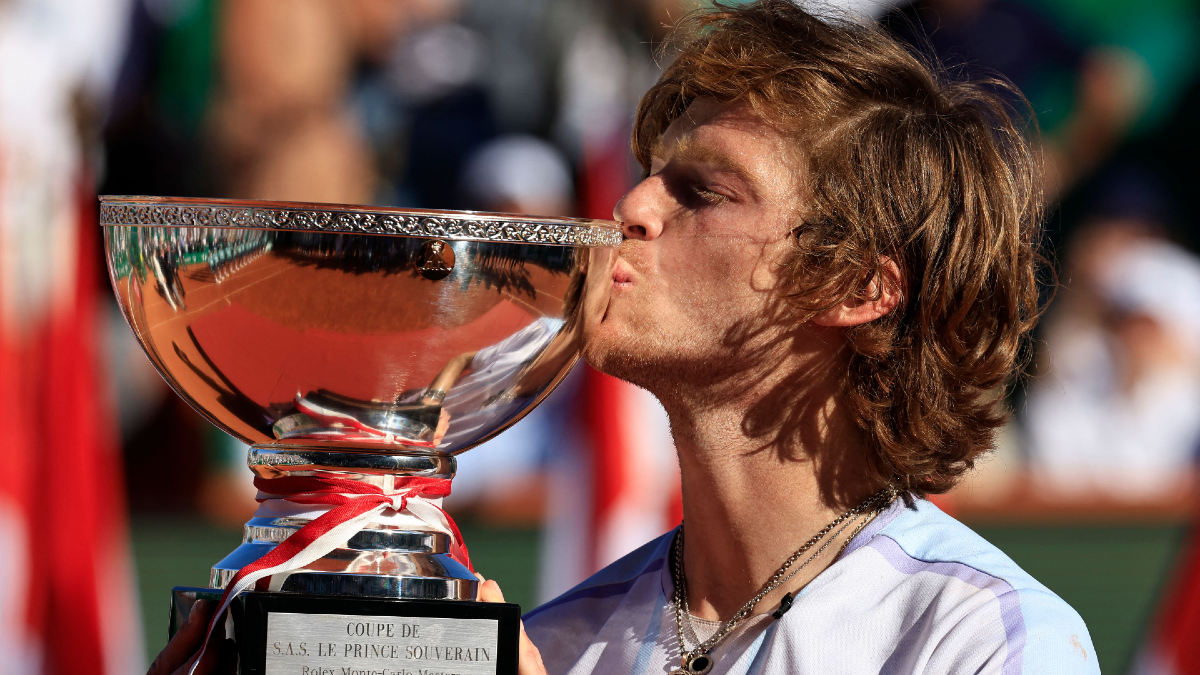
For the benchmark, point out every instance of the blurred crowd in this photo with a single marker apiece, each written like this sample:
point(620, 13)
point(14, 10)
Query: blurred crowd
point(525, 106)
point(1110, 417)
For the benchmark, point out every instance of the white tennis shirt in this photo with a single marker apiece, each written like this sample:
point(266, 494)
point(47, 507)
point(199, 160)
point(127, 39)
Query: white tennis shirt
point(493, 370)
point(915, 592)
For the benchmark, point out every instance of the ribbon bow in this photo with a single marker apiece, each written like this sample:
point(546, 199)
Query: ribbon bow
point(355, 504)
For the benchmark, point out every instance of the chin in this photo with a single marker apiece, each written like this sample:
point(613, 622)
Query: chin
point(615, 352)
point(663, 362)
point(650, 360)
point(604, 344)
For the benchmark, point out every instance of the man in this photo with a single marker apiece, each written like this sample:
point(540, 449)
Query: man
point(827, 281)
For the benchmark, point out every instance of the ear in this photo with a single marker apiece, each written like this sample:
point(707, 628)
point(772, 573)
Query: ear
point(885, 288)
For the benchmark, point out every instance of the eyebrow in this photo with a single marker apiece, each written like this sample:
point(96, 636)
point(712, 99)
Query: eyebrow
point(686, 148)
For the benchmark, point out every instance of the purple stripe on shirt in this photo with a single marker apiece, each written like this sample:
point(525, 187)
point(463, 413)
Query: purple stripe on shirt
point(873, 528)
point(1006, 595)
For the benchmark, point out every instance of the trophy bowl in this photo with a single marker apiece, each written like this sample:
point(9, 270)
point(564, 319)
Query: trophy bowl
point(348, 343)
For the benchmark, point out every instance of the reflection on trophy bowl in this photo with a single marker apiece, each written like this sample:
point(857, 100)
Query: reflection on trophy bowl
point(309, 327)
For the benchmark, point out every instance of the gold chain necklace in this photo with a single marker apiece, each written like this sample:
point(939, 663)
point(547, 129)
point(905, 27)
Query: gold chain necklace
point(698, 661)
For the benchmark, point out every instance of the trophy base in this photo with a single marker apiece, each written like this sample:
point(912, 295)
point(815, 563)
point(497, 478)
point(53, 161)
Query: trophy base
point(298, 634)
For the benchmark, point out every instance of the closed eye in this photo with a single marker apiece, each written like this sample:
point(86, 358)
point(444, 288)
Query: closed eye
point(688, 188)
point(709, 196)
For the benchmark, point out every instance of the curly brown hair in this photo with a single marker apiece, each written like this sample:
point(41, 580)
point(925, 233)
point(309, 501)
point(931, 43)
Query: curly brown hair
point(903, 162)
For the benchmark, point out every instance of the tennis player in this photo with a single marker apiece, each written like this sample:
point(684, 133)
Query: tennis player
point(828, 278)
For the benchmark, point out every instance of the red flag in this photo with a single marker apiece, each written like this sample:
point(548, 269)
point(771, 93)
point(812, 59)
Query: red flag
point(67, 603)
point(635, 476)
point(65, 500)
point(1173, 647)
point(21, 612)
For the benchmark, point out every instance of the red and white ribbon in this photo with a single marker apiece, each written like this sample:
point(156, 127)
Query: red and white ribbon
point(354, 504)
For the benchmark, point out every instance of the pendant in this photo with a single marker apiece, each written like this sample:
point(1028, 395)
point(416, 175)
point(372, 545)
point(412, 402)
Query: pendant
point(699, 664)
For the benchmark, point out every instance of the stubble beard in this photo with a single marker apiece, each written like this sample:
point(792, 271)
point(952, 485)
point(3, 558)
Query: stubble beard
point(705, 364)
point(666, 366)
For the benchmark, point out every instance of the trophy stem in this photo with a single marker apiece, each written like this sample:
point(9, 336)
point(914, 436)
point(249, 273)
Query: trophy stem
point(273, 461)
point(391, 557)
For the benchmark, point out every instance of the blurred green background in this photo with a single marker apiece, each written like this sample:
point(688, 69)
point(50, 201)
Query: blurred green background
point(1111, 574)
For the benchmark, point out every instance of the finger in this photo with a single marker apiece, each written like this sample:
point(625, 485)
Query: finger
point(228, 663)
point(530, 658)
point(186, 640)
point(443, 426)
point(219, 659)
point(186, 668)
point(489, 591)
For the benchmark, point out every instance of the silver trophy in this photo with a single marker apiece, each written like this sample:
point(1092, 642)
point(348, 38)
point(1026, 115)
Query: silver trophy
point(357, 350)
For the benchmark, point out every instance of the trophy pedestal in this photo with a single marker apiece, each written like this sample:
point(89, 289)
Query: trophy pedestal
point(388, 601)
point(297, 634)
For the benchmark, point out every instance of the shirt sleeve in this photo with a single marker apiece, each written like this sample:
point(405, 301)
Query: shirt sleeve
point(1056, 639)
point(1041, 635)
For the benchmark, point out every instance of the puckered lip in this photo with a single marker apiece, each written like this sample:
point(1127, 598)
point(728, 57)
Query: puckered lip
point(622, 274)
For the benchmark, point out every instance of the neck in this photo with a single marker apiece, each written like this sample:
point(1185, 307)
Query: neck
point(762, 473)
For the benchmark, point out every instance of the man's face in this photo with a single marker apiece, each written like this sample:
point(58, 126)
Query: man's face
point(707, 233)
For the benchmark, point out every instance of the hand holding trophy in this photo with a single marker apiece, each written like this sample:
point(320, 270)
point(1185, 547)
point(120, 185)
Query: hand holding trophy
point(357, 350)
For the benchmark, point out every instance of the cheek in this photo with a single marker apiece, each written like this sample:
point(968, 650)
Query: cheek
point(711, 278)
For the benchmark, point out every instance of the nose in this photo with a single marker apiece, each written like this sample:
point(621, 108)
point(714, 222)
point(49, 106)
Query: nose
point(639, 211)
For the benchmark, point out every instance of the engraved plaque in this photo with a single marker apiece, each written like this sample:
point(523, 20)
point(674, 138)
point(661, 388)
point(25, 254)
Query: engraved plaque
point(294, 634)
point(324, 644)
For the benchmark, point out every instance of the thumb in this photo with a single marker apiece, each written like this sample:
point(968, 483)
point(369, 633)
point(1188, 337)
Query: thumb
point(489, 591)
point(530, 658)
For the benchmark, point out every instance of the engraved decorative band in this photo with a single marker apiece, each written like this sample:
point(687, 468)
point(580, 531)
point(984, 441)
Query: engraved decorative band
point(441, 226)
